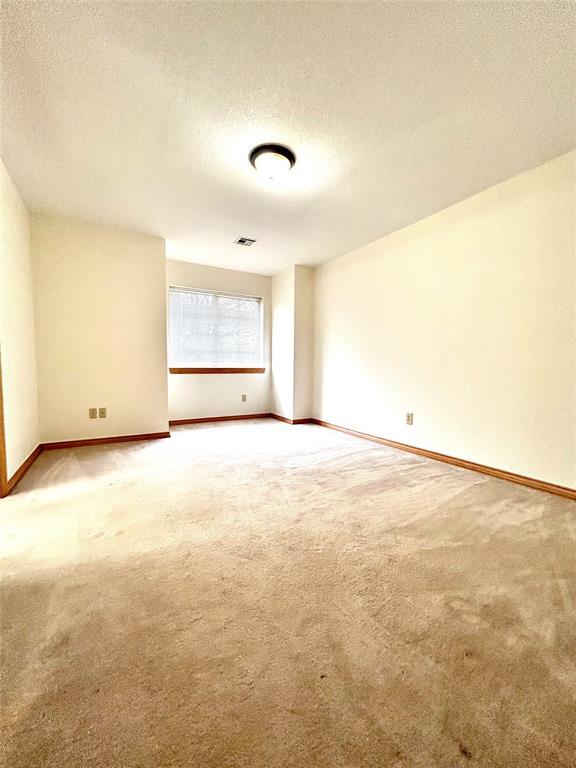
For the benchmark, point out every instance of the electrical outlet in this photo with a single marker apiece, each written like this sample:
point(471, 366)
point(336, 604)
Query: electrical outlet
point(101, 413)
point(92, 413)
point(410, 418)
point(243, 398)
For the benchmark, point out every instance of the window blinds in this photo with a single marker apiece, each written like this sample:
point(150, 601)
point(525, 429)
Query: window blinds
point(214, 329)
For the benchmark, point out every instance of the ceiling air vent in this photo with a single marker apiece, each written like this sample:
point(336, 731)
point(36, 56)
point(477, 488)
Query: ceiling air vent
point(244, 241)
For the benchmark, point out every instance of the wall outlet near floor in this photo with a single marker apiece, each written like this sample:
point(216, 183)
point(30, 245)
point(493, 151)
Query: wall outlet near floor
point(243, 398)
point(92, 413)
point(410, 418)
point(101, 413)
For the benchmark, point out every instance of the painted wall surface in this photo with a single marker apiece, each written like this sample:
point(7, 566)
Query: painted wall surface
point(200, 396)
point(283, 287)
point(292, 342)
point(303, 341)
point(17, 336)
point(467, 319)
point(100, 329)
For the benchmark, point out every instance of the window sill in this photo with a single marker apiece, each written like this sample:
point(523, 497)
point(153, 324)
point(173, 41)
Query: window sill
point(217, 370)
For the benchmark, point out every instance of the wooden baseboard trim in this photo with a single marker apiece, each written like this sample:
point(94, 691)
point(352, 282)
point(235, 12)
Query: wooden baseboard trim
point(290, 421)
point(501, 474)
point(10, 484)
point(7, 486)
point(280, 418)
point(207, 419)
point(570, 493)
point(103, 440)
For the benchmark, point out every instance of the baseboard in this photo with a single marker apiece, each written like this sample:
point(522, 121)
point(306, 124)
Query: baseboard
point(103, 440)
point(530, 482)
point(11, 482)
point(501, 474)
point(8, 486)
point(289, 421)
point(207, 419)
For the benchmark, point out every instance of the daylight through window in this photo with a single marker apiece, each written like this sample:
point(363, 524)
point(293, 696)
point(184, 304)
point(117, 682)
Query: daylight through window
point(213, 330)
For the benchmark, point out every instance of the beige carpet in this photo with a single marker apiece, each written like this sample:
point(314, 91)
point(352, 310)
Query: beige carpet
point(252, 594)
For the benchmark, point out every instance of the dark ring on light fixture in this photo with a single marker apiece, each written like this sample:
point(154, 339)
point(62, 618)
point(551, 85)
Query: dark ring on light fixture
point(278, 149)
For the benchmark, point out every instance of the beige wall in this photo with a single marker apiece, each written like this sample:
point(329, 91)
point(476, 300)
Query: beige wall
point(17, 342)
point(100, 329)
point(303, 341)
point(292, 342)
point(466, 318)
point(200, 396)
point(283, 286)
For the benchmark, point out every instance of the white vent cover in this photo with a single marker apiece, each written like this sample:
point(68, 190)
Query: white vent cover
point(244, 241)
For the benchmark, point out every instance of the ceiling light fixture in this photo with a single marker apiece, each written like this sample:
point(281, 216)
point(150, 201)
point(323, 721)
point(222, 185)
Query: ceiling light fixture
point(272, 160)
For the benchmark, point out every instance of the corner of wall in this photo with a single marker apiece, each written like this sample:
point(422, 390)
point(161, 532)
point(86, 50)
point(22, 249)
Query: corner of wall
point(19, 427)
point(292, 342)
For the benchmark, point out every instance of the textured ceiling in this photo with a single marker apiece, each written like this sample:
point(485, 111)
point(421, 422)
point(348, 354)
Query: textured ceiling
point(142, 114)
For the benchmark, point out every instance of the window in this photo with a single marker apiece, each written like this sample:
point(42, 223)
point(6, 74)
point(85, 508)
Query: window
point(214, 330)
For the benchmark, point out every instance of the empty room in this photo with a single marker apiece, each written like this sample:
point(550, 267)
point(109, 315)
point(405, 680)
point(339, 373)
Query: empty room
point(287, 384)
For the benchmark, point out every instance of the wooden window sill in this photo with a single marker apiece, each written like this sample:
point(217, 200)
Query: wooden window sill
point(217, 370)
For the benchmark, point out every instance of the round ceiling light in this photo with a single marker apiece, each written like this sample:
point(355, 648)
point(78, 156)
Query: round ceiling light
point(272, 160)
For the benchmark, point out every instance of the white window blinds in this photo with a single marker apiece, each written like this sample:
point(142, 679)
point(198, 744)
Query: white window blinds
point(214, 330)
